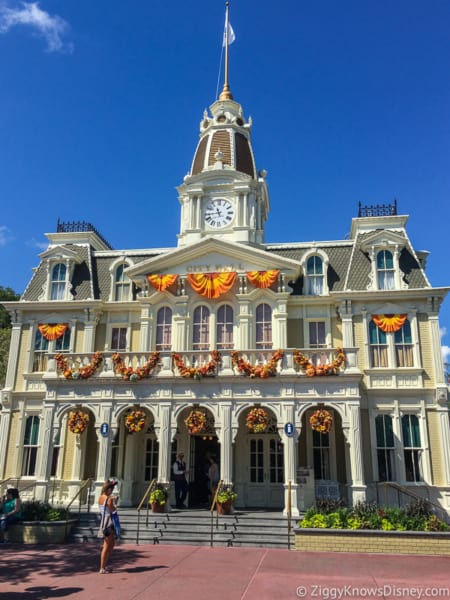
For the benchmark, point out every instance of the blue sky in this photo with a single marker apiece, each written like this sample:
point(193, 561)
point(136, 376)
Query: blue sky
point(101, 101)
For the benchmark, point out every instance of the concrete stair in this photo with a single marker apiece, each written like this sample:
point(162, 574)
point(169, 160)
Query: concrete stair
point(193, 527)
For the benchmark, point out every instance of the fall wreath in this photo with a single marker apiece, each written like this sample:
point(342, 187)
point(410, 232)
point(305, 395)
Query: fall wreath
point(82, 372)
point(209, 369)
point(321, 420)
point(130, 374)
point(262, 371)
point(135, 421)
point(311, 370)
point(196, 421)
point(257, 420)
point(78, 421)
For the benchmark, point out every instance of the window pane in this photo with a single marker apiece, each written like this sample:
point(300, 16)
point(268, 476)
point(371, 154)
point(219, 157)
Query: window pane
point(119, 338)
point(263, 326)
point(201, 328)
point(164, 329)
point(224, 330)
point(62, 344)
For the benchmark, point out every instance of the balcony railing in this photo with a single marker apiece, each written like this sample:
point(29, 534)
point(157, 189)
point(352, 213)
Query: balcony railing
point(167, 366)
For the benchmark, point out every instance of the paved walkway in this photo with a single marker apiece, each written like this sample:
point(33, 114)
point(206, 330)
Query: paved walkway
point(188, 572)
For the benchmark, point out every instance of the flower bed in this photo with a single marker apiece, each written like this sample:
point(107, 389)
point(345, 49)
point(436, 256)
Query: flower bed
point(368, 527)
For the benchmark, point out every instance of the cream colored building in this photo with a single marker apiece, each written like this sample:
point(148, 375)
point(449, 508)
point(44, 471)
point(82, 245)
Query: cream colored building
point(222, 288)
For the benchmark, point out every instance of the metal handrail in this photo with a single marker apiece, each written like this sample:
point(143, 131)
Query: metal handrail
point(17, 485)
point(402, 490)
point(214, 506)
point(146, 495)
point(83, 485)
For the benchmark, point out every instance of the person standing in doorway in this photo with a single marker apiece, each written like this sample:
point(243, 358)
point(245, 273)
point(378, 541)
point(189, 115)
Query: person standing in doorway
point(181, 485)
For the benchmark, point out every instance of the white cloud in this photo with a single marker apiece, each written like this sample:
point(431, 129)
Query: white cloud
point(33, 243)
point(444, 348)
point(5, 235)
point(29, 14)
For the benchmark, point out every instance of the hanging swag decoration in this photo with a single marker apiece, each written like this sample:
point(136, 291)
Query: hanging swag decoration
point(162, 282)
point(263, 279)
point(53, 331)
point(389, 323)
point(211, 285)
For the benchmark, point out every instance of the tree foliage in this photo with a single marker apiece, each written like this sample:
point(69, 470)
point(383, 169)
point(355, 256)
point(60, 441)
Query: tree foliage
point(6, 295)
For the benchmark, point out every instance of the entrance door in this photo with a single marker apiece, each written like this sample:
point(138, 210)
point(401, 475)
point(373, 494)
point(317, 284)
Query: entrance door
point(266, 472)
point(200, 451)
point(148, 465)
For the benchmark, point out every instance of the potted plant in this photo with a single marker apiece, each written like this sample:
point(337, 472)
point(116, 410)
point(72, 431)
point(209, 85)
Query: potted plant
point(225, 498)
point(158, 498)
point(42, 523)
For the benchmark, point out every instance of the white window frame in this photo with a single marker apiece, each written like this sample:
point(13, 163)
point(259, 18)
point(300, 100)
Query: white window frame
point(331, 447)
point(390, 340)
point(325, 263)
point(110, 329)
point(30, 447)
point(127, 263)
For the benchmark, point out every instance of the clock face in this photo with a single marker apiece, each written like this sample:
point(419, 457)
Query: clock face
point(219, 213)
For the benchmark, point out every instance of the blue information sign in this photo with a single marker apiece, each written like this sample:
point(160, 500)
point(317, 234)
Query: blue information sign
point(104, 428)
point(289, 429)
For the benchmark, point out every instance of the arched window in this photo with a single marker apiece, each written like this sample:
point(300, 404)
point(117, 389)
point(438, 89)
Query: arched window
point(224, 327)
point(385, 447)
point(412, 450)
point(314, 273)
point(58, 282)
point(201, 328)
point(122, 284)
point(404, 346)
point(385, 270)
point(164, 329)
point(263, 327)
point(378, 346)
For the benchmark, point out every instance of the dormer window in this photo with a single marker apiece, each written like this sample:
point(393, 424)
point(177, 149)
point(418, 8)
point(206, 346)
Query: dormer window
point(385, 270)
point(58, 282)
point(314, 272)
point(315, 266)
point(122, 284)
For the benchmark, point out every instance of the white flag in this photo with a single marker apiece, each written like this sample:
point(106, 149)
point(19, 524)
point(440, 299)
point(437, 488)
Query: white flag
point(231, 36)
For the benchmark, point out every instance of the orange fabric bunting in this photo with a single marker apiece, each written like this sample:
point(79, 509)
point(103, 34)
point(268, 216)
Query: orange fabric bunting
point(53, 331)
point(263, 279)
point(389, 323)
point(161, 282)
point(211, 285)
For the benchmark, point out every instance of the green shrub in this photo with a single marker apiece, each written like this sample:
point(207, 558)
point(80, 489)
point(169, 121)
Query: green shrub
point(35, 510)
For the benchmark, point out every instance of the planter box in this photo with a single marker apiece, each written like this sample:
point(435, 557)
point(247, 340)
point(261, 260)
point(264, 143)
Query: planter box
point(371, 540)
point(41, 532)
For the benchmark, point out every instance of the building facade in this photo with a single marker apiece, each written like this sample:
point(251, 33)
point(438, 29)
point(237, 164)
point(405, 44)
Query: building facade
point(308, 369)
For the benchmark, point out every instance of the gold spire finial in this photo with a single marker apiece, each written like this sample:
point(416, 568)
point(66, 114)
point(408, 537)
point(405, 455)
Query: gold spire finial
point(226, 93)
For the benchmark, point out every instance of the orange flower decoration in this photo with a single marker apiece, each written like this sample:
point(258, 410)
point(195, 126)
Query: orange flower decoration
point(262, 371)
point(257, 420)
point(311, 370)
point(196, 422)
point(321, 421)
point(135, 421)
point(78, 421)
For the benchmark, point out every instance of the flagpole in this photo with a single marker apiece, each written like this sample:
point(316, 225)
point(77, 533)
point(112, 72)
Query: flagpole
point(226, 94)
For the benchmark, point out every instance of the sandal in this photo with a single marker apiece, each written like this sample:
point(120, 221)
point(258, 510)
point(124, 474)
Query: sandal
point(104, 571)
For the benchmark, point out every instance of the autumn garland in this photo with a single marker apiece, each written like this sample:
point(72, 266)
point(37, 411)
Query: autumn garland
point(257, 420)
point(78, 421)
point(321, 420)
point(311, 370)
point(135, 421)
point(262, 371)
point(197, 372)
point(130, 374)
point(83, 372)
point(196, 421)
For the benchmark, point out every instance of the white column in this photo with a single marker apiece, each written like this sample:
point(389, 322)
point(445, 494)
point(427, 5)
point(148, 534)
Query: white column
point(5, 422)
point(91, 319)
point(14, 351)
point(243, 318)
point(226, 444)
point(163, 432)
point(357, 485)
point(146, 328)
point(290, 461)
point(345, 310)
point(436, 350)
point(104, 444)
point(46, 447)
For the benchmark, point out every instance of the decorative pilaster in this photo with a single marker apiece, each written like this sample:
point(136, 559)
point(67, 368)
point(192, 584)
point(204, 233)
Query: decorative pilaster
point(104, 444)
point(91, 320)
point(14, 350)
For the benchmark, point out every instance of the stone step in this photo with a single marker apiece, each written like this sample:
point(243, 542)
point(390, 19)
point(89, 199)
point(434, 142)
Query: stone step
point(192, 527)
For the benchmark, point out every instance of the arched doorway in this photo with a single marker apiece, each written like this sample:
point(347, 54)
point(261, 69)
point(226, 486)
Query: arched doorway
point(260, 467)
point(202, 445)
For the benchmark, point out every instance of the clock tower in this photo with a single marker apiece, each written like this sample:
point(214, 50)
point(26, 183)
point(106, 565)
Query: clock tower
point(223, 195)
